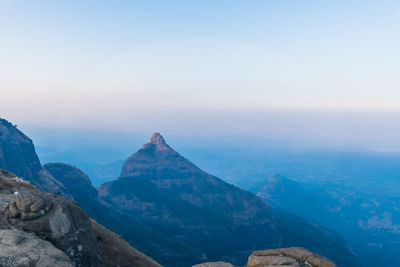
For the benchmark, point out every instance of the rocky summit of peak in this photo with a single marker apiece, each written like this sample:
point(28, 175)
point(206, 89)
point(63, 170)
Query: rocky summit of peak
point(157, 139)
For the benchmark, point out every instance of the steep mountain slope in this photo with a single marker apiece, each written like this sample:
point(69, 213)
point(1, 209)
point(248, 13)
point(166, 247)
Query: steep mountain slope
point(170, 194)
point(17, 154)
point(163, 249)
point(116, 252)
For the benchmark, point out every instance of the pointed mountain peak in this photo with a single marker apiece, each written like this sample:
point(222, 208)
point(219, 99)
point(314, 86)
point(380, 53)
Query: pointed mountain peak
point(157, 139)
point(157, 142)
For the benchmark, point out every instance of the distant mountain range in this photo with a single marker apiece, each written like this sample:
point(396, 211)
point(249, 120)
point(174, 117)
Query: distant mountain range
point(371, 225)
point(170, 209)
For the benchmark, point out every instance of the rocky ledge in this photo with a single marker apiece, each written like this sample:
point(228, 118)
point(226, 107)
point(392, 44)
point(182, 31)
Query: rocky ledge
point(41, 229)
point(288, 257)
point(49, 217)
point(18, 248)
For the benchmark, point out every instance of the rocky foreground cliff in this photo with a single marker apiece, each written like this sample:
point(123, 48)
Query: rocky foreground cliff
point(42, 229)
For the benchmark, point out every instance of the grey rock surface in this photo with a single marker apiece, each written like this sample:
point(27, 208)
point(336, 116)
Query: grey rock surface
point(49, 217)
point(18, 248)
point(263, 261)
point(287, 257)
point(214, 264)
point(303, 256)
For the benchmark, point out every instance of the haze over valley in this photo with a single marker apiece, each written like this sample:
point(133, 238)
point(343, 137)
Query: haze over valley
point(200, 133)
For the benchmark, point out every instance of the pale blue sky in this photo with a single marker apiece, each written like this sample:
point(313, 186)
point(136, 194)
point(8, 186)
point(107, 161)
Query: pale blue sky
point(120, 62)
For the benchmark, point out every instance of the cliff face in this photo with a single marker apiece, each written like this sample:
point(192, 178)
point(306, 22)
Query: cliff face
point(17, 152)
point(34, 223)
point(17, 155)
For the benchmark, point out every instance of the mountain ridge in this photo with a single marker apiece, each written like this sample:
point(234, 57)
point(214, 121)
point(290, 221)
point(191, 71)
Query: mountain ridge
point(199, 215)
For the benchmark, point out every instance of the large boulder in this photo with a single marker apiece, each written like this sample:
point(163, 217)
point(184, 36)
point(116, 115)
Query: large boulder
point(287, 257)
point(214, 264)
point(19, 248)
point(261, 261)
point(293, 256)
point(50, 217)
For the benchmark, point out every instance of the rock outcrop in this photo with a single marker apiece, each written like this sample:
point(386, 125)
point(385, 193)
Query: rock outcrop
point(287, 257)
point(18, 248)
point(214, 264)
point(59, 227)
point(54, 218)
point(293, 256)
point(17, 152)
